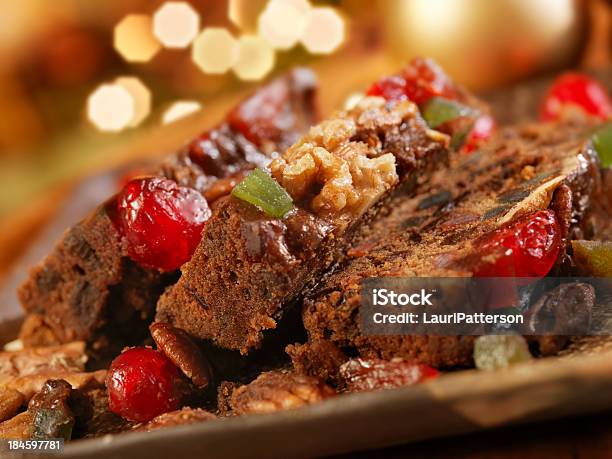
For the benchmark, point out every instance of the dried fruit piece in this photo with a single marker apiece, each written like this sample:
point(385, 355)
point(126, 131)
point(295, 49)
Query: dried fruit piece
point(602, 141)
point(439, 111)
point(418, 82)
point(482, 130)
point(526, 247)
point(361, 375)
point(261, 190)
point(143, 383)
point(593, 258)
point(161, 221)
point(565, 310)
point(52, 415)
point(175, 344)
point(276, 390)
point(573, 89)
point(499, 351)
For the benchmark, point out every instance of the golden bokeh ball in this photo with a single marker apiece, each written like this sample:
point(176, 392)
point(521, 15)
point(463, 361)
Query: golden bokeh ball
point(255, 58)
point(215, 50)
point(484, 43)
point(133, 38)
point(282, 22)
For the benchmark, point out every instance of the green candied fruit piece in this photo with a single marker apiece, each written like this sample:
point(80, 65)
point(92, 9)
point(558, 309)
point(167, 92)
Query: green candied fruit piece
point(261, 190)
point(52, 423)
point(593, 258)
point(602, 141)
point(499, 351)
point(439, 111)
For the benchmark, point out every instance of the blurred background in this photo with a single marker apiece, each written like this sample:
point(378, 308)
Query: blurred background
point(89, 85)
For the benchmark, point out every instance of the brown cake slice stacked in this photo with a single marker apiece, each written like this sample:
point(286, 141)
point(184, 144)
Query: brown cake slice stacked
point(526, 169)
point(89, 289)
point(250, 266)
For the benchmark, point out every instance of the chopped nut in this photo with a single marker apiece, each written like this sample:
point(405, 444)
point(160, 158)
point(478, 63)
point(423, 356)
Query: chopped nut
point(19, 427)
point(340, 174)
point(176, 418)
point(360, 375)
point(274, 391)
point(30, 384)
point(29, 361)
point(36, 332)
point(224, 396)
point(184, 353)
point(10, 402)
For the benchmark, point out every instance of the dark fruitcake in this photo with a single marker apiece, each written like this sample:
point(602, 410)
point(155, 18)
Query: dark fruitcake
point(546, 171)
point(250, 265)
point(89, 288)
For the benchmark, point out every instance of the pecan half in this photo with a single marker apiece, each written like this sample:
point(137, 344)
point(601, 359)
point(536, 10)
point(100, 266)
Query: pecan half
point(275, 391)
point(184, 353)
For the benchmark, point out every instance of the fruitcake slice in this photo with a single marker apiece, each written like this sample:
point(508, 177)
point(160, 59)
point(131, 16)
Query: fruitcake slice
point(250, 263)
point(277, 235)
point(102, 281)
point(509, 209)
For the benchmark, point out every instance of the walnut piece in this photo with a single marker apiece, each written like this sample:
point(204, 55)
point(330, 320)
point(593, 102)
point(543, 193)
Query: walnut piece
point(29, 361)
point(30, 384)
point(339, 172)
point(276, 390)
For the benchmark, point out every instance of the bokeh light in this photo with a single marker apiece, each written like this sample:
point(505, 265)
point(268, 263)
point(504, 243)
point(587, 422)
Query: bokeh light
point(111, 108)
point(133, 38)
point(215, 50)
point(180, 109)
point(255, 58)
point(141, 95)
point(176, 24)
point(324, 31)
point(283, 22)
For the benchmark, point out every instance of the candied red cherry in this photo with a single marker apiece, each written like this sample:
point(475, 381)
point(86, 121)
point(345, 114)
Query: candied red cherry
point(483, 129)
point(425, 79)
point(526, 247)
point(264, 116)
point(161, 221)
point(143, 383)
point(390, 88)
point(576, 90)
point(421, 80)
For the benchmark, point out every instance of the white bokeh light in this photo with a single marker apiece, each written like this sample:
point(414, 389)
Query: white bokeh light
point(283, 22)
point(176, 24)
point(180, 109)
point(141, 95)
point(215, 50)
point(324, 31)
point(111, 108)
point(133, 38)
point(255, 58)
